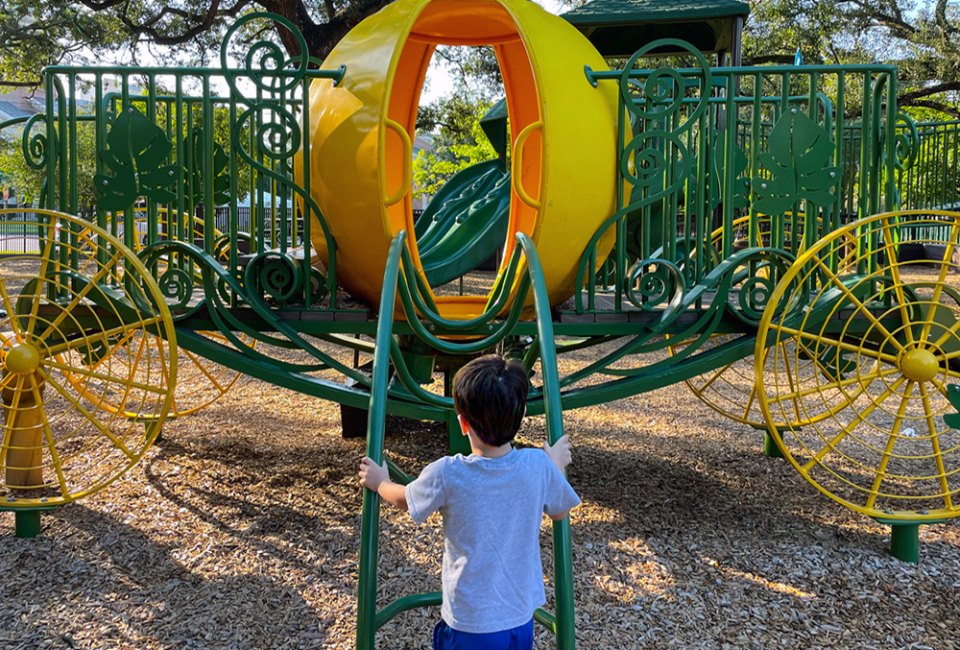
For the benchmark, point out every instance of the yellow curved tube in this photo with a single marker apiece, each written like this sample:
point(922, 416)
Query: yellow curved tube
point(516, 177)
point(407, 162)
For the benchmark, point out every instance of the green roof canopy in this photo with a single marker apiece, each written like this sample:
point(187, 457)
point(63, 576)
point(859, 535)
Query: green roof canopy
point(494, 125)
point(621, 27)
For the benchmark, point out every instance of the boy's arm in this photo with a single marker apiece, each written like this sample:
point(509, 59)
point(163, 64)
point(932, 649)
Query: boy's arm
point(559, 516)
point(377, 479)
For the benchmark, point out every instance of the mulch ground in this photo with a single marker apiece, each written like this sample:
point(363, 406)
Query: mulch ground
point(240, 528)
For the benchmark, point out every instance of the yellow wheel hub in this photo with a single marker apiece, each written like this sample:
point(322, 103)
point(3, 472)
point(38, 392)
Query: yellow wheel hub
point(919, 365)
point(22, 359)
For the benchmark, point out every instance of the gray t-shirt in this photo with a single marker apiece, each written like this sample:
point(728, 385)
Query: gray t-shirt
point(491, 509)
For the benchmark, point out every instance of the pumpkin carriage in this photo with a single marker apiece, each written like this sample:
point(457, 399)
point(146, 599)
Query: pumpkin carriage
point(710, 225)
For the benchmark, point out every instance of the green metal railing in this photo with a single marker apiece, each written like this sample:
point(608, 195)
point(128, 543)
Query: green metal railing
point(387, 353)
point(932, 177)
point(170, 144)
point(706, 147)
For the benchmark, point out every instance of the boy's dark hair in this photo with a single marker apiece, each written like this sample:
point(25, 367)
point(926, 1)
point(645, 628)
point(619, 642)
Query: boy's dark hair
point(491, 394)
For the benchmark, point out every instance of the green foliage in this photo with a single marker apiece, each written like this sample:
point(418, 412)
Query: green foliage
point(28, 182)
point(37, 33)
point(920, 38)
point(453, 121)
point(454, 151)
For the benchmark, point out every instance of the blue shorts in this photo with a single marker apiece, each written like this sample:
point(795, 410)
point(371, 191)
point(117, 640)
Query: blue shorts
point(517, 638)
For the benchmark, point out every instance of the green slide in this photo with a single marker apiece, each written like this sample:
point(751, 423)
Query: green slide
point(466, 222)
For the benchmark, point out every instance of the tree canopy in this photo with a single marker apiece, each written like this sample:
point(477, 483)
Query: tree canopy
point(922, 37)
point(34, 33)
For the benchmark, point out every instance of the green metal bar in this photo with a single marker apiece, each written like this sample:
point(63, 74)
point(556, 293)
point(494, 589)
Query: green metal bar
point(152, 116)
point(209, 208)
point(729, 155)
point(73, 154)
point(890, 137)
point(376, 422)
point(427, 599)
point(562, 545)
point(600, 75)
point(307, 241)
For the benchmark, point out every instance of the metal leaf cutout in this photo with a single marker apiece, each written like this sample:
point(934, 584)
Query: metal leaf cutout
point(135, 155)
point(221, 174)
point(798, 157)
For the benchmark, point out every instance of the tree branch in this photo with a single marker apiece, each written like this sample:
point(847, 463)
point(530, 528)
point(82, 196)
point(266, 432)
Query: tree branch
point(937, 106)
point(941, 17)
point(778, 59)
point(895, 23)
point(21, 84)
point(929, 90)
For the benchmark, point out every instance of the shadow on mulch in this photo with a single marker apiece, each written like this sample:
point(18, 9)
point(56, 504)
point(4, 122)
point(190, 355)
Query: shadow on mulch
point(123, 586)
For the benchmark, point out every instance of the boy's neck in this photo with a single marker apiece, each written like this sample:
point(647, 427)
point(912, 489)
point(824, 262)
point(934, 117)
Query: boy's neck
point(488, 451)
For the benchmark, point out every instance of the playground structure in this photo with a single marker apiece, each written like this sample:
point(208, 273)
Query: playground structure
point(719, 226)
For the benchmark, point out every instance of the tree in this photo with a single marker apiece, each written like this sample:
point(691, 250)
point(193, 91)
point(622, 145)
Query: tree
point(923, 39)
point(458, 143)
point(34, 33)
point(454, 120)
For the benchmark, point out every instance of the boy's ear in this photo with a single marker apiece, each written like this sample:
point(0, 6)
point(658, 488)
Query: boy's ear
point(464, 425)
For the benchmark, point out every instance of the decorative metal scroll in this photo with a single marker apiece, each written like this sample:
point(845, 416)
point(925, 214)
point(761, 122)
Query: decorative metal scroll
point(277, 134)
point(655, 164)
point(36, 149)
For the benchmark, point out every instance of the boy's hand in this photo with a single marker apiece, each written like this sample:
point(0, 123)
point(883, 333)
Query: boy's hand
point(559, 453)
point(372, 475)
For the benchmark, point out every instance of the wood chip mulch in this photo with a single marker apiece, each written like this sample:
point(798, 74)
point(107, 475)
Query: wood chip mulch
point(240, 530)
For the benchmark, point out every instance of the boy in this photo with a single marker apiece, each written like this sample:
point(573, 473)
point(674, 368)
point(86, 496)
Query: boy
point(491, 502)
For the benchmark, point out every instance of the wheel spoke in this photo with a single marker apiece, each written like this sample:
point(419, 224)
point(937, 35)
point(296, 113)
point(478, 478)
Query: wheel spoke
point(838, 284)
point(836, 384)
point(888, 450)
point(845, 431)
point(8, 306)
point(44, 263)
point(935, 444)
point(122, 341)
point(213, 380)
point(948, 332)
point(792, 384)
point(88, 372)
point(750, 401)
point(841, 345)
point(103, 335)
point(78, 297)
point(51, 445)
point(131, 371)
point(87, 414)
point(901, 298)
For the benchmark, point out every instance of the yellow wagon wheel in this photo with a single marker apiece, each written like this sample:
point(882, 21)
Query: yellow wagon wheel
point(58, 442)
point(730, 389)
point(876, 357)
point(200, 382)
